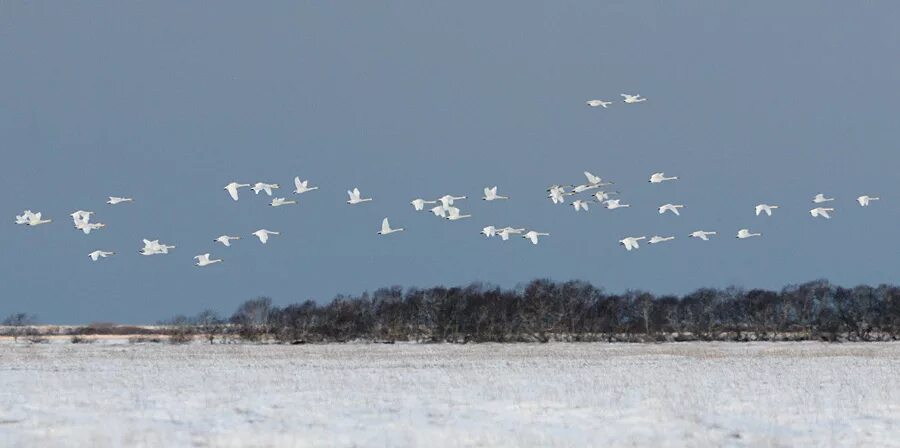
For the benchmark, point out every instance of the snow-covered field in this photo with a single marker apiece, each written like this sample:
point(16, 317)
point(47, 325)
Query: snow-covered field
point(691, 394)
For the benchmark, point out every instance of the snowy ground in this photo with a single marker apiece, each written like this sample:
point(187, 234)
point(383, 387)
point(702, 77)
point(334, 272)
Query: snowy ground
point(692, 394)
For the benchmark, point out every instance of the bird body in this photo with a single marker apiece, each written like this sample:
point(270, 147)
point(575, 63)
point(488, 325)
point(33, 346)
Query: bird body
point(302, 186)
point(702, 234)
point(533, 236)
point(670, 208)
point(631, 242)
point(744, 234)
point(821, 211)
point(765, 208)
point(204, 260)
point(386, 228)
point(356, 197)
point(233, 188)
point(490, 194)
point(98, 254)
point(264, 234)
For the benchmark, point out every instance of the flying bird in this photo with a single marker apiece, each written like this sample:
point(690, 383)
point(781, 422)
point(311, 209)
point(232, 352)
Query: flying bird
point(453, 214)
point(603, 196)
point(155, 248)
point(660, 239)
point(580, 205)
point(613, 204)
point(355, 197)
point(232, 189)
point(98, 254)
point(278, 202)
point(670, 208)
point(744, 234)
point(631, 242)
point(32, 219)
point(820, 198)
point(490, 194)
point(599, 103)
point(262, 186)
point(865, 199)
point(658, 178)
point(489, 231)
point(302, 186)
point(419, 204)
point(761, 208)
point(114, 200)
point(703, 235)
point(263, 235)
point(386, 228)
point(631, 99)
point(821, 211)
point(447, 200)
point(533, 236)
point(87, 227)
point(226, 240)
point(505, 232)
point(204, 260)
point(439, 211)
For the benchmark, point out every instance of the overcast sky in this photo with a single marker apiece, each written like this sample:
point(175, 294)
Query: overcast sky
point(169, 101)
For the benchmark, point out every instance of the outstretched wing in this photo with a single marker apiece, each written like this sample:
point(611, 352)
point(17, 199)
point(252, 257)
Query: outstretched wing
point(385, 226)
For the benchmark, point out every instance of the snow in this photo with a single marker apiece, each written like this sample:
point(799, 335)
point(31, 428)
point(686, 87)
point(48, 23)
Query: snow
point(662, 395)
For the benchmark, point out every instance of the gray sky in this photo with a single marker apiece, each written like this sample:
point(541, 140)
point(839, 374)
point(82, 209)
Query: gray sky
point(169, 101)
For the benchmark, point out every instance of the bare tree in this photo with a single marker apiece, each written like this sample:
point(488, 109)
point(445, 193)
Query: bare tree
point(19, 323)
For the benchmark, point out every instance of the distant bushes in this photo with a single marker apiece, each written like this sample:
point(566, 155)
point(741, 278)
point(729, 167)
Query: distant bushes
point(539, 311)
point(543, 310)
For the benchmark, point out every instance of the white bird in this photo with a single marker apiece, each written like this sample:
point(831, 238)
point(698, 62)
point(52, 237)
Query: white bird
point(631, 242)
point(115, 200)
point(594, 180)
point(505, 232)
point(439, 211)
point(602, 196)
point(232, 189)
point(660, 239)
point(631, 99)
point(760, 208)
point(81, 217)
point(558, 195)
point(447, 200)
point(386, 228)
point(278, 202)
point(599, 103)
point(864, 200)
point(155, 248)
point(203, 260)
point(533, 236)
point(613, 204)
point(820, 198)
point(98, 254)
point(355, 197)
point(226, 240)
point(585, 187)
point(262, 186)
point(33, 219)
point(821, 211)
point(87, 227)
point(744, 233)
point(419, 204)
point(580, 205)
point(657, 178)
point(489, 231)
point(24, 217)
point(490, 194)
point(263, 235)
point(453, 214)
point(302, 186)
point(703, 235)
point(670, 208)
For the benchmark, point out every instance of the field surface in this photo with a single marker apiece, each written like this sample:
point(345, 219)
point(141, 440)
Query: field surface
point(668, 395)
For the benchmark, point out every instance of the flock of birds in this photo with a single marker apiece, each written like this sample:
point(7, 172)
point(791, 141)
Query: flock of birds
point(444, 207)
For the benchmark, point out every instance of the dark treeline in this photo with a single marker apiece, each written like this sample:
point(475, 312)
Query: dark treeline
point(543, 310)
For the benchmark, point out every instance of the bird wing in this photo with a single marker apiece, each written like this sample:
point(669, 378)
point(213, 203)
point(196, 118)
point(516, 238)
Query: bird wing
point(232, 191)
point(385, 226)
point(297, 183)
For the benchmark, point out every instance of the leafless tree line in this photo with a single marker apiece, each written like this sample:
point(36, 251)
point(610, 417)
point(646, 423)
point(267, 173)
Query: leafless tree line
point(543, 310)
